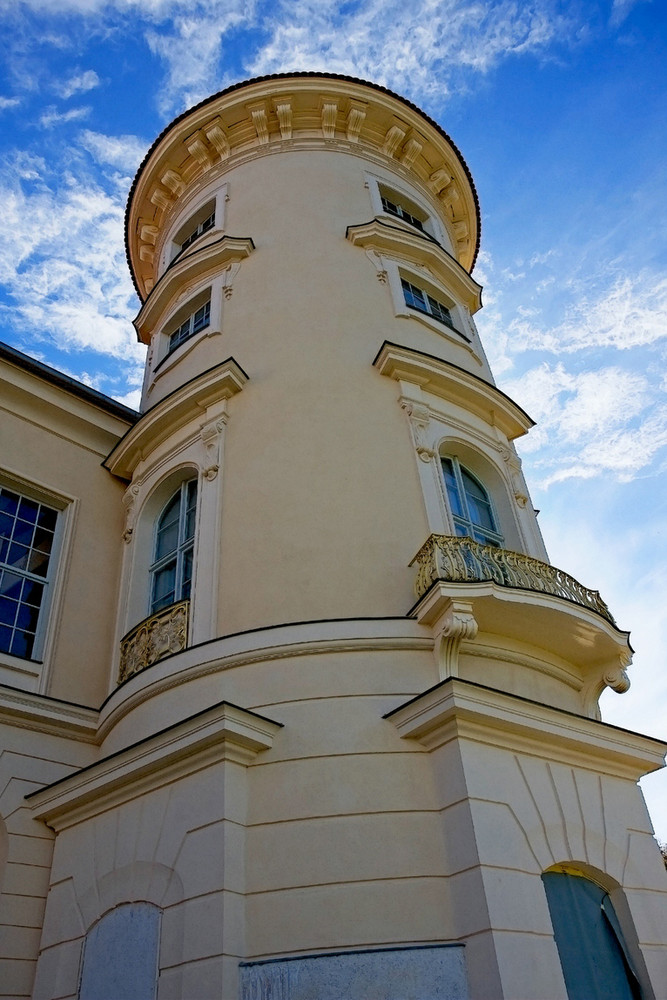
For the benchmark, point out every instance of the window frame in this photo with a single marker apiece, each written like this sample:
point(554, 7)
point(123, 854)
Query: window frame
point(431, 306)
point(209, 203)
point(190, 327)
point(52, 581)
point(185, 546)
point(464, 520)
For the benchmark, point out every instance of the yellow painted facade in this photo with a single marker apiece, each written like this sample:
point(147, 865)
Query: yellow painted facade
point(282, 711)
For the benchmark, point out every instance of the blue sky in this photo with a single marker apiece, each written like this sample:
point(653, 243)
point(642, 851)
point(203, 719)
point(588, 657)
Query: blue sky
point(560, 111)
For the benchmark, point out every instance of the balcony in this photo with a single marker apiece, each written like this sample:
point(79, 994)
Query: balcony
point(500, 605)
point(462, 560)
point(157, 636)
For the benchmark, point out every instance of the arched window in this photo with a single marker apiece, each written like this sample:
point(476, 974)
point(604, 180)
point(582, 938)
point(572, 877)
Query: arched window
point(592, 950)
point(470, 504)
point(171, 570)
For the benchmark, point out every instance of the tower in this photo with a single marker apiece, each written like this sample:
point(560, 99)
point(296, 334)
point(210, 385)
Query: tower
point(348, 737)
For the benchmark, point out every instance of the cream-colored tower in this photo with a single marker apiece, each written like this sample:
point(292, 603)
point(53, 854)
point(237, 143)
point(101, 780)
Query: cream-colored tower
point(306, 780)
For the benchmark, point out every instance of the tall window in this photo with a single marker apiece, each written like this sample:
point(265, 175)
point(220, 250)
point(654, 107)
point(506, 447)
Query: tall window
point(171, 572)
point(418, 299)
point(470, 504)
point(27, 530)
point(593, 953)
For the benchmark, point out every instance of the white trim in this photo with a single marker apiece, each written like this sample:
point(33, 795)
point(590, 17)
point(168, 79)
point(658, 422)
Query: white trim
point(433, 224)
point(33, 674)
point(219, 198)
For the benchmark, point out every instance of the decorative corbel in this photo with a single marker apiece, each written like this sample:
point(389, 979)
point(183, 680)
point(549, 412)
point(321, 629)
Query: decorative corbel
point(616, 676)
point(419, 416)
point(411, 151)
point(210, 436)
point(283, 108)
point(328, 115)
point(513, 463)
point(355, 119)
point(129, 497)
point(260, 121)
point(378, 264)
point(393, 138)
point(228, 276)
point(456, 623)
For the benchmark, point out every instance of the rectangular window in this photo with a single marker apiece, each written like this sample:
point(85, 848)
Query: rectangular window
point(395, 208)
point(199, 230)
point(27, 531)
point(197, 321)
point(418, 299)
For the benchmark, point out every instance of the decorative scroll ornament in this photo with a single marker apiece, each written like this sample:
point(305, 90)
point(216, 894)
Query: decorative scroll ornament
point(162, 634)
point(378, 264)
point(283, 109)
point(129, 497)
point(419, 416)
point(461, 560)
point(513, 463)
point(456, 624)
point(228, 276)
point(210, 435)
point(616, 677)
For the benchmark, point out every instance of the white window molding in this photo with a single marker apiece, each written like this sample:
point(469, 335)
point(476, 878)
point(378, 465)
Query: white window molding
point(398, 204)
point(456, 331)
point(26, 664)
point(206, 214)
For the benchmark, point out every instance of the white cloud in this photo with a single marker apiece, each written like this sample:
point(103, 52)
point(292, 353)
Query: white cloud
point(9, 102)
point(419, 47)
point(65, 271)
point(124, 151)
point(191, 48)
point(592, 423)
point(53, 117)
point(620, 10)
point(78, 84)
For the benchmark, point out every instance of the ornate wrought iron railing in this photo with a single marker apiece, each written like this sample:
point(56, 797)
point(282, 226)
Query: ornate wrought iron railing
point(462, 560)
point(157, 636)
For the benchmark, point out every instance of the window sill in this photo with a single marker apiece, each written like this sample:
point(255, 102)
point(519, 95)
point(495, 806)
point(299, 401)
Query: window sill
point(448, 332)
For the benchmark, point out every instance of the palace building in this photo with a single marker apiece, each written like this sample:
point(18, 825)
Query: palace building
point(293, 703)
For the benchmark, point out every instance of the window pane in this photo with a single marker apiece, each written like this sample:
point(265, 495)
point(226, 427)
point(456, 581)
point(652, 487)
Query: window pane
point(17, 556)
point(47, 518)
point(10, 585)
point(9, 502)
point(28, 510)
point(23, 532)
point(8, 610)
point(22, 644)
point(164, 583)
point(452, 487)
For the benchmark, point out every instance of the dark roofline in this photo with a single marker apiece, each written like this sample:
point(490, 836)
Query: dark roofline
point(300, 74)
point(71, 385)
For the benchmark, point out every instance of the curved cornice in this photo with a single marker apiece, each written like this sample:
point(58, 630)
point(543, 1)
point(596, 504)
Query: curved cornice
point(278, 112)
point(174, 411)
point(210, 258)
point(411, 245)
point(448, 381)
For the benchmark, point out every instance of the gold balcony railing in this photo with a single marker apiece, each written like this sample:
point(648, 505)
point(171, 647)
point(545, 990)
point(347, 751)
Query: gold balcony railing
point(157, 636)
point(462, 560)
